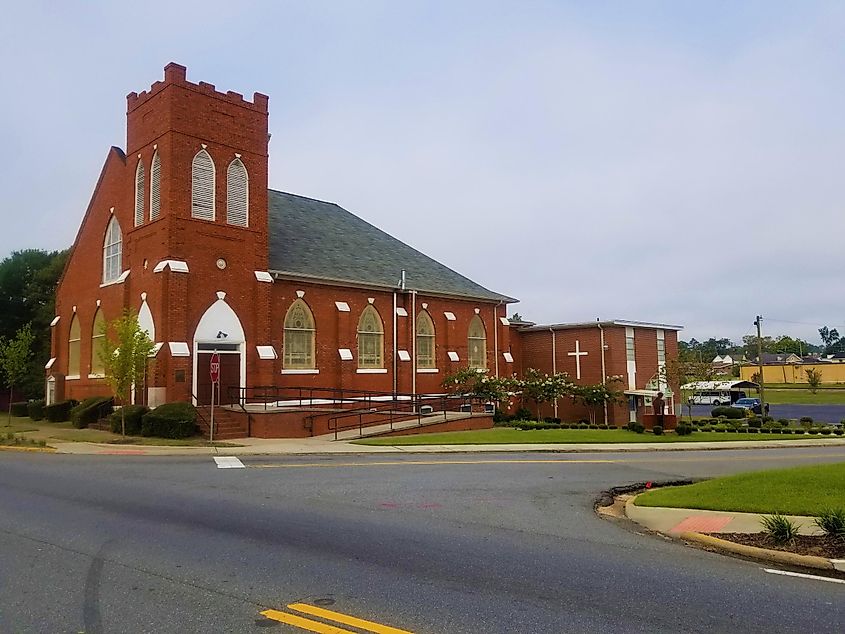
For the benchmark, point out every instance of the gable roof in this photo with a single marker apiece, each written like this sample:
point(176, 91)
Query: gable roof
point(313, 239)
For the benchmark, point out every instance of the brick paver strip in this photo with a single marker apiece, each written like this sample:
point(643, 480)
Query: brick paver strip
point(702, 524)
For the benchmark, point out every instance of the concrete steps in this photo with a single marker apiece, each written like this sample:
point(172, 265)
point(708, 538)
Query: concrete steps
point(228, 424)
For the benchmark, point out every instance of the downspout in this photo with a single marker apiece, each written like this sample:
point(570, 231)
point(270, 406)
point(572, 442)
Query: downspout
point(603, 370)
point(414, 344)
point(496, 336)
point(554, 363)
point(394, 345)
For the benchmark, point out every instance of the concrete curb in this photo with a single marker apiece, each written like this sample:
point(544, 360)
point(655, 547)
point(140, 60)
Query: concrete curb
point(30, 449)
point(774, 556)
point(348, 448)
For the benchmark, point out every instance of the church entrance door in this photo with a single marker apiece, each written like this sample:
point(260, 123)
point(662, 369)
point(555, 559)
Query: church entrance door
point(230, 376)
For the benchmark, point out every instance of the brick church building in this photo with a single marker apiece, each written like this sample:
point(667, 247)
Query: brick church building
point(289, 291)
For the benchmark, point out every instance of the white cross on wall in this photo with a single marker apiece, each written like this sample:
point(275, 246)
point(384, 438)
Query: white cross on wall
point(577, 354)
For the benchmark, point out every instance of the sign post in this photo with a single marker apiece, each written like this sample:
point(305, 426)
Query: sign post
point(214, 371)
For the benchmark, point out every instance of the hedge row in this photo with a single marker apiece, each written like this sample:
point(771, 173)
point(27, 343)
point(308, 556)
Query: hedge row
point(91, 410)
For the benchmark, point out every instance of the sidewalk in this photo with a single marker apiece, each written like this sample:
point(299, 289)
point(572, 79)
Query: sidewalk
point(323, 445)
point(677, 521)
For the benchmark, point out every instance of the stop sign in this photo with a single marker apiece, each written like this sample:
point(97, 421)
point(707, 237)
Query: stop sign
point(214, 368)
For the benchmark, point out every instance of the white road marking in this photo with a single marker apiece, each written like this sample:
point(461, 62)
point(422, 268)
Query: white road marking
point(228, 462)
point(802, 575)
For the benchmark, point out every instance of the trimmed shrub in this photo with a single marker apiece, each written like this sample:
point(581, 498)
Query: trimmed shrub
point(825, 431)
point(171, 420)
point(133, 415)
point(583, 425)
point(813, 431)
point(784, 422)
point(839, 431)
point(635, 427)
point(806, 419)
point(755, 422)
point(19, 409)
point(705, 428)
point(91, 410)
point(768, 419)
point(59, 412)
point(523, 413)
point(35, 409)
point(683, 430)
point(728, 412)
point(657, 430)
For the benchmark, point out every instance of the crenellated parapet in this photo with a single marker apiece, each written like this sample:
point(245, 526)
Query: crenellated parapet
point(176, 75)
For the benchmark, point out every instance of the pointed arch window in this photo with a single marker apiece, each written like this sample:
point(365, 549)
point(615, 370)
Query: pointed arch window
point(139, 193)
point(425, 341)
point(202, 186)
point(370, 339)
point(477, 343)
point(237, 194)
point(299, 337)
point(155, 187)
point(98, 340)
point(73, 342)
point(112, 252)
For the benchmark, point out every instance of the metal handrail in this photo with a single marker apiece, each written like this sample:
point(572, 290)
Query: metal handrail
point(269, 393)
point(392, 410)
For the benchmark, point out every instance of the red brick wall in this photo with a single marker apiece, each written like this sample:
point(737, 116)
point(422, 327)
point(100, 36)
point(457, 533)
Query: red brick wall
point(536, 351)
point(176, 118)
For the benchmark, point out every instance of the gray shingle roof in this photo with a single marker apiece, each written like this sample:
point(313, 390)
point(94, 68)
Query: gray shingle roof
point(315, 239)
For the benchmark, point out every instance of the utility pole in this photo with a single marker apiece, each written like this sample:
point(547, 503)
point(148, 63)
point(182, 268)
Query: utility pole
point(758, 322)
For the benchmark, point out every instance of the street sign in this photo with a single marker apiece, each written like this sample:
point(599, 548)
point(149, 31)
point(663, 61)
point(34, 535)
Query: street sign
point(214, 368)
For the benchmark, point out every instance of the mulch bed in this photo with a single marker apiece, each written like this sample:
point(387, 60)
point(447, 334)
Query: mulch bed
point(817, 545)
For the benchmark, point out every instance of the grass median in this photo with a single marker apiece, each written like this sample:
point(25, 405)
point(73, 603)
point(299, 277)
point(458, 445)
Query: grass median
point(510, 436)
point(795, 491)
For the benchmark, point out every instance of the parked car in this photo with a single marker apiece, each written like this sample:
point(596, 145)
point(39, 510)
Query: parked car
point(748, 403)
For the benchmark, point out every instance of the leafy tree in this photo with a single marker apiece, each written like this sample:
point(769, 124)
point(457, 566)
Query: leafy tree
point(14, 360)
point(814, 378)
point(471, 382)
point(125, 351)
point(544, 388)
point(679, 372)
point(28, 282)
point(833, 343)
point(595, 397)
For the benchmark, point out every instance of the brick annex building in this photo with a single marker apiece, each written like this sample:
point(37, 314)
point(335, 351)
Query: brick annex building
point(290, 291)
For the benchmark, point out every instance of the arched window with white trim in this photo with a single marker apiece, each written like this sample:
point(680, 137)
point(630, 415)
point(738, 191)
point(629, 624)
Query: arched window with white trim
point(477, 343)
point(155, 187)
point(202, 186)
point(299, 337)
point(370, 340)
point(425, 341)
point(237, 194)
point(139, 193)
point(73, 341)
point(98, 340)
point(112, 252)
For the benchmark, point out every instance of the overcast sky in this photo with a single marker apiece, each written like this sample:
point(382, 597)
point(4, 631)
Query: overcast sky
point(677, 162)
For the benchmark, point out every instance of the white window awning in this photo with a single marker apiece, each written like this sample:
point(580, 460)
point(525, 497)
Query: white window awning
point(179, 349)
point(266, 352)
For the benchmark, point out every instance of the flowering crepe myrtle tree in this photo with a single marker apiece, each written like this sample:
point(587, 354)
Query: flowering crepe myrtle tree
point(124, 353)
point(595, 397)
point(544, 388)
point(470, 382)
point(14, 360)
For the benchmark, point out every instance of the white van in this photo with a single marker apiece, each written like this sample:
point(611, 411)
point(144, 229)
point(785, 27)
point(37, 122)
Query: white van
point(711, 397)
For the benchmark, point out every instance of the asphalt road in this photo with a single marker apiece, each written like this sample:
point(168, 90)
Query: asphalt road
point(820, 413)
point(425, 543)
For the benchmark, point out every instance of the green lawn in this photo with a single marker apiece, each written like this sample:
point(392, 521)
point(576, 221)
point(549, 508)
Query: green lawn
point(781, 396)
point(510, 436)
point(795, 491)
point(66, 432)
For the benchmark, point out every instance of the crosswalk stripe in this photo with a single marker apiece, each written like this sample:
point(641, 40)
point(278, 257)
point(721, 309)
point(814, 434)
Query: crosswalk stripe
point(362, 624)
point(303, 623)
point(228, 462)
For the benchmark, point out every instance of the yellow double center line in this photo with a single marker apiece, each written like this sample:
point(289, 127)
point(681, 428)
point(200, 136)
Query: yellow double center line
point(328, 615)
